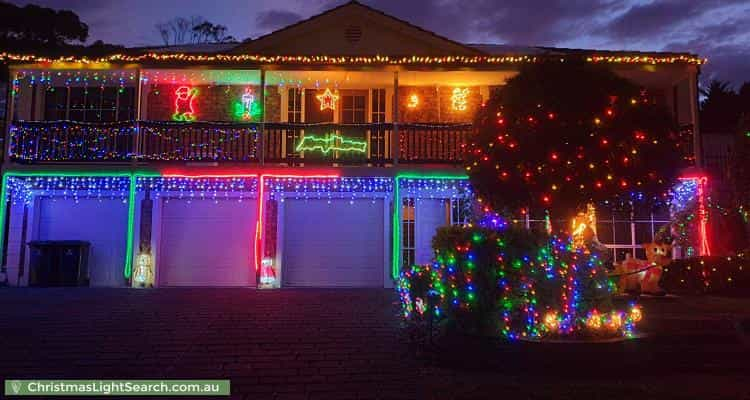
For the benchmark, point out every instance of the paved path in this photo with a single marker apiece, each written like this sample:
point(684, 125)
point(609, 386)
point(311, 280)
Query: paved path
point(331, 344)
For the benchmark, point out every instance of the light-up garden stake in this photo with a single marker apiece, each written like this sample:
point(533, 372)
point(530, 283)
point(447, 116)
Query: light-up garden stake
point(144, 275)
point(184, 109)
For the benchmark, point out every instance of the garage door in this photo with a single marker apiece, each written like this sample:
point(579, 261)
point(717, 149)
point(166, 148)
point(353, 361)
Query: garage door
point(430, 215)
point(102, 223)
point(333, 244)
point(207, 243)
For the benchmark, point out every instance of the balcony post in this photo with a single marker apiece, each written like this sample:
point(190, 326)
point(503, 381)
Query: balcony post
point(10, 104)
point(395, 140)
point(261, 148)
point(697, 139)
point(139, 101)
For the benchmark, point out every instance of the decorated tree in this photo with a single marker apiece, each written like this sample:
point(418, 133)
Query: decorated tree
point(560, 135)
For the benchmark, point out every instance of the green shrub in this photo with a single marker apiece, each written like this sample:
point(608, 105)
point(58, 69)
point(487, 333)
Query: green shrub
point(708, 275)
point(513, 283)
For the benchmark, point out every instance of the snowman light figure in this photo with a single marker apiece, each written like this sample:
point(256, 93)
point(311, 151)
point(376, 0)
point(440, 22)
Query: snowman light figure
point(183, 104)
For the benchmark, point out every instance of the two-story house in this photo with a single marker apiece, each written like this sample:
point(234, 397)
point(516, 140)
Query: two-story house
point(326, 153)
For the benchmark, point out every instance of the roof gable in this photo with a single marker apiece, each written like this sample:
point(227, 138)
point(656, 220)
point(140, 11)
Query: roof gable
point(354, 29)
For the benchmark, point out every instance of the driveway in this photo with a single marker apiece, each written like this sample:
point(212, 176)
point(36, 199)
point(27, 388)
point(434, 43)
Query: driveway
point(330, 344)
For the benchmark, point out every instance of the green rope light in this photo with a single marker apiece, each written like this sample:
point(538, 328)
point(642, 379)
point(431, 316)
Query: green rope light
point(331, 142)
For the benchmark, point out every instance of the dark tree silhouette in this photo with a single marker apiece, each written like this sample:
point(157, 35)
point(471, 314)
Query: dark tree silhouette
point(560, 135)
point(181, 30)
point(46, 32)
point(31, 25)
point(720, 110)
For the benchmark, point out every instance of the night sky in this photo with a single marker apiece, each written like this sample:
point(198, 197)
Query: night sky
point(714, 29)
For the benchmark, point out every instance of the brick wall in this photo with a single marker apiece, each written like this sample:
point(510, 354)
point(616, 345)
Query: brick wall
point(435, 105)
point(213, 103)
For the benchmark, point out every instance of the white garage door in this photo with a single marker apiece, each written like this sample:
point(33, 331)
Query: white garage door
point(102, 223)
point(336, 244)
point(207, 243)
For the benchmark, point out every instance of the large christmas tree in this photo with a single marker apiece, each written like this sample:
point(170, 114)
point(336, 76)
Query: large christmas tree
point(560, 135)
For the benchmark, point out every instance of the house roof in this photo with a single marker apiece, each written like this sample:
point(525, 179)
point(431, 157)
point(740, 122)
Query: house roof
point(392, 41)
point(323, 34)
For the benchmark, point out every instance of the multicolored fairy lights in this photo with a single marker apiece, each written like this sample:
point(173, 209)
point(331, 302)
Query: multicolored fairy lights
point(188, 58)
point(75, 185)
point(689, 210)
point(717, 275)
point(327, 100)
point(71, 141)
point(551, 291)
point(216, 186)
point(200, 187)
point(184, 109)
point(331, 142)
point(700, 182)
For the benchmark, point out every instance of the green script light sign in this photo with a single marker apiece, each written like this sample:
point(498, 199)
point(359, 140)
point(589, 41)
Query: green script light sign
point(331, 142)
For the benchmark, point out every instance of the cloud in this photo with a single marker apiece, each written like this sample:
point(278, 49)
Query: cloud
point(274, 19)
point(513, 21)
point(724, 39)
point(647, 20)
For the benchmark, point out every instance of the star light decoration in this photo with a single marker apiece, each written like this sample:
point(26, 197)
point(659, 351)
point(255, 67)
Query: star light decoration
point(327, 100)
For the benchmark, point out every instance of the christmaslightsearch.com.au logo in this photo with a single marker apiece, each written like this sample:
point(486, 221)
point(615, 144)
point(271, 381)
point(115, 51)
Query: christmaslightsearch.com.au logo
point(36, 387)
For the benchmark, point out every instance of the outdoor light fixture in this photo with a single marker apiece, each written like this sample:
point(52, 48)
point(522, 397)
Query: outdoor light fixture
point(413, 101)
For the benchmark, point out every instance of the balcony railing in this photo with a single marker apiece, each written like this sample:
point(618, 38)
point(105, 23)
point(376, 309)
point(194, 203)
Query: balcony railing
point(422, 143)
point(71, 141)
point(288, 143)
point(295, 143)
point(197, 141)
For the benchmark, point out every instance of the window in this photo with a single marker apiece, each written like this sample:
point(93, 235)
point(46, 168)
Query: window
point(313, 113)
point(407, 232)
point(294, 115)
point(102, 104)
point(460, 210)
point(378, 105)
point(294, 105)
point(378, 144)
point(56, 104)
point(353, 109)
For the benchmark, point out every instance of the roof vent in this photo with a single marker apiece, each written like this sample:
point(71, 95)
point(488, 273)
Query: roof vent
point(353, 33)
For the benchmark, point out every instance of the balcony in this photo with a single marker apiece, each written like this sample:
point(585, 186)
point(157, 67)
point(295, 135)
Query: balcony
point(281, 143)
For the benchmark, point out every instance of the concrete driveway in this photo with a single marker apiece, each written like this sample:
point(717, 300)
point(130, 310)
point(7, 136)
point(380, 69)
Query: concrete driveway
point(330, 344)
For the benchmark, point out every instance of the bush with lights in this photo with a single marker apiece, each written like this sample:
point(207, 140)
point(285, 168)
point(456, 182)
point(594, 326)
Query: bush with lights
point(513, 283)
point(727, 275)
